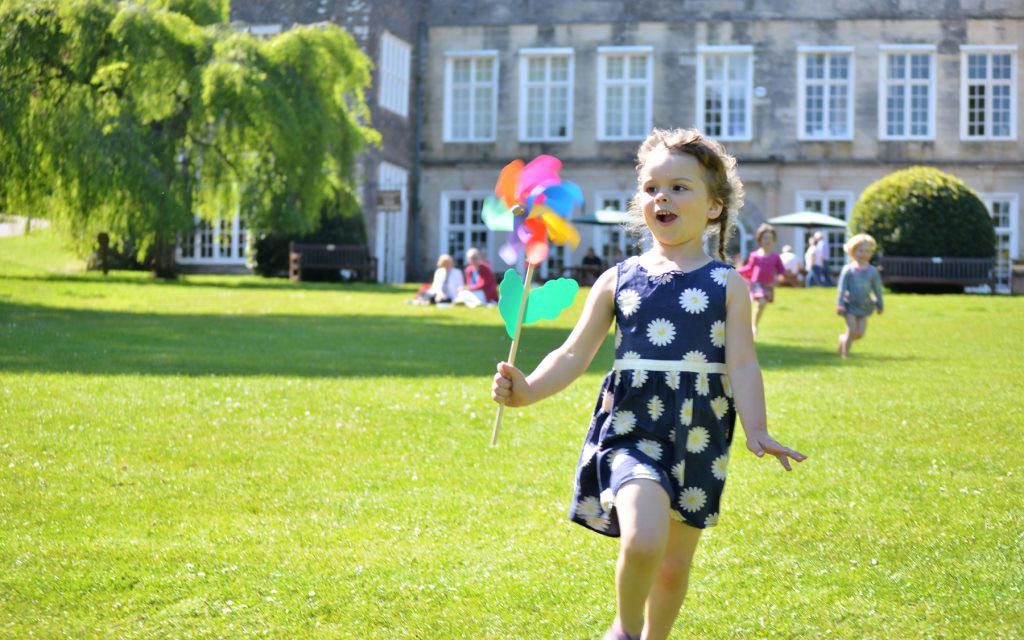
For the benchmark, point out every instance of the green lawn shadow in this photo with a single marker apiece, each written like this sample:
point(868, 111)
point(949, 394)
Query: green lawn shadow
point(207, 281)
point(44, 339)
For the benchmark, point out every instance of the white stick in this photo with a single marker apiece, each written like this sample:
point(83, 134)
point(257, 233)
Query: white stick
point(515, 346)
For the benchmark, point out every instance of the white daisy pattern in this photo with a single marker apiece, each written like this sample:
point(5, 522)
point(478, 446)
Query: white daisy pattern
point(720, 275)
point(588, 507)
point(693, 300)
point(629, 302)
point(649, 448)
point(639, 377)
point(672, 380)
point(661, 332)
point(711, 520)
point(692, 499)
point(720, 406)
point(599, 523)
point(618, 459)
point(695, 356)
point(655, 407)
point(645, 472)
point(589, 450)
point(697, 439)
point(719, 466)
point(727, 386)
point(607, 499)
point(618, 337)
point(661, 278)
point(686, 413)
point(718, 333)
point(679, 471)
point(623, 422)
point(701, 385)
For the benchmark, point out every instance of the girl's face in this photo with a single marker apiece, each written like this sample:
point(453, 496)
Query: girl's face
point(862, 253)
point(767, 242)
point(674, 198)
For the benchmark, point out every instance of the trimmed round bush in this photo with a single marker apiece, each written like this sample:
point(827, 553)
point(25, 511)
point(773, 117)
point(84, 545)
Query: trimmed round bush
point(924, 212)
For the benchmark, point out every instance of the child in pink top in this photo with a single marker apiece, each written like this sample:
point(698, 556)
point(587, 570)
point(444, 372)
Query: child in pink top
point(763, 268)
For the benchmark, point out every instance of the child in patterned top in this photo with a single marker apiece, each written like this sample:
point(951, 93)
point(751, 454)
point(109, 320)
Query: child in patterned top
point(858, 280)
point(654, 461)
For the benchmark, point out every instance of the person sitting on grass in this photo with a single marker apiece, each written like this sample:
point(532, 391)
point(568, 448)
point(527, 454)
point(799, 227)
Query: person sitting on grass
point(446, 284)
point(481, 285)
point(857, 282)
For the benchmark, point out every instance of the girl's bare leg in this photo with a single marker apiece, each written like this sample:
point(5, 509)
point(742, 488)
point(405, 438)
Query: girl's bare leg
point(758, 311)
point(642, 507)
point(847, 338)
point(669, 590)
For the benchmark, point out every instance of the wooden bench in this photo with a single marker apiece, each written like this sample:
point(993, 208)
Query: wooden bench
point(306, 258)
point(965, 272)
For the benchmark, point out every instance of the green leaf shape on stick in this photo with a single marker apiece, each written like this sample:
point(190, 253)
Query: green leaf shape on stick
point(544, 303)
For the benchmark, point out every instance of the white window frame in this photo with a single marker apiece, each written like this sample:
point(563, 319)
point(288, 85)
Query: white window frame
point(482, 56)
point(1013, 229)
point(241, 240)
point(803, 83)
point(603, 83)
point(395, 62)
point(886, 50)
point(525, 56)
point(731, 51)
point(836, 237)
point(264, 31)
point(965, 83)
point(467, 228)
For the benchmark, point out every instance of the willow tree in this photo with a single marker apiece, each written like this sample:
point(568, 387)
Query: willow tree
point(132, 117)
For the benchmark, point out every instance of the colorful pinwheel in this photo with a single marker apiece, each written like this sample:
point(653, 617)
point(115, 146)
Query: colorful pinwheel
point(532, 192)
point(532, 202)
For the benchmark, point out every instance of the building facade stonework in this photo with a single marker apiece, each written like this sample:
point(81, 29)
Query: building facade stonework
point(816, 100)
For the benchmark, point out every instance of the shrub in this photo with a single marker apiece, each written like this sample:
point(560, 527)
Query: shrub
point(924, 212)
point(338, 225)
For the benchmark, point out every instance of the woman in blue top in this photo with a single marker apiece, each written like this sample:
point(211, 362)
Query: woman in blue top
point(858, 280)
point(654, 461)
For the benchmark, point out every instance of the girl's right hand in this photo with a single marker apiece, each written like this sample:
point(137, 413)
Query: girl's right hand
point(510, 387)
point(841, 310)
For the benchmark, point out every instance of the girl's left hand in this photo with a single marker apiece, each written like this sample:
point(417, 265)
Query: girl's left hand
point(764, 443)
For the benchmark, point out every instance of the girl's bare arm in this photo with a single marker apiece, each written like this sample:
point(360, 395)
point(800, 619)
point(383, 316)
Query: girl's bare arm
point(745, 375)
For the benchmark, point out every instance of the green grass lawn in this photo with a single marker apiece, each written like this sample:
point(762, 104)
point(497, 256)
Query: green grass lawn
point(235, 457)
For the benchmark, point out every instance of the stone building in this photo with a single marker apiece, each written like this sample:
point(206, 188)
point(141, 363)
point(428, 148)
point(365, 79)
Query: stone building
point(816, 100)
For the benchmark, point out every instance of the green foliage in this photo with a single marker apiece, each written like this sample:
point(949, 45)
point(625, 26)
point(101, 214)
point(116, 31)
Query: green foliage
point(339, 224)
point(130, 117)
point(922, 211)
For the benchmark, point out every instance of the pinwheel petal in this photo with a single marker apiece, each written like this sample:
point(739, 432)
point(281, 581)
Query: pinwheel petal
point(537, 246)
point(509, 254)
point(559, 199)
point(508, 181)
point(496, 215)
point(536, 252)
point(541, 172)
point(547, 302)
point(510, 297)
point(560, 230)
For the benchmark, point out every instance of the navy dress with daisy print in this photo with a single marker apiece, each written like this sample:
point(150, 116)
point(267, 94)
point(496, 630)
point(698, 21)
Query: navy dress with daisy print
point(665, 412)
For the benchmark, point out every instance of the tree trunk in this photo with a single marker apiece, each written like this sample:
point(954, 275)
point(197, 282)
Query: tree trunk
point(163, 264)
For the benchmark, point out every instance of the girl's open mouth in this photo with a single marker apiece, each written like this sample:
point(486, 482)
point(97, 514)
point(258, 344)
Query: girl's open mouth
point(664, 217)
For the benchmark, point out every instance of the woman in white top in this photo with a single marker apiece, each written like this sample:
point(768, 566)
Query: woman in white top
point(447, 280)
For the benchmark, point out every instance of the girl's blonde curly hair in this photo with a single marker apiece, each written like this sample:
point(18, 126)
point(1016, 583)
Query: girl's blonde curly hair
point(720, 177)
